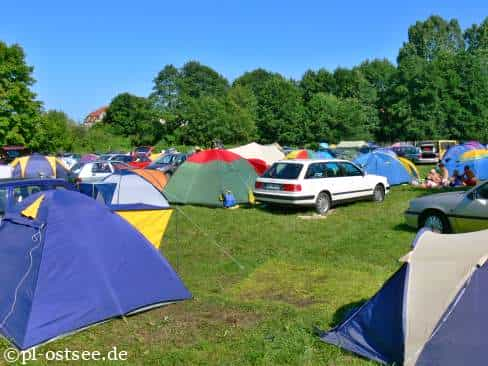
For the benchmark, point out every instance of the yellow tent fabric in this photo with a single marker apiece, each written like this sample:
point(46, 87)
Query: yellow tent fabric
point(150, 223)
point(52, 160)
point(31, 211)
point(474, 155)
point(23, 163)
point(412, 169)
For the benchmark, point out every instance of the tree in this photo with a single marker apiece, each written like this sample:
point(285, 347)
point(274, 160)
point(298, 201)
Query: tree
point(255, 80)
point(199, 80)
point(133, 116)
point(427, 39)
point(166, 88)
point(54, 133)
point(313, 82)
point(280, 112)
point(333, 119)
point(211, 118)
point(378, 73)
point(19, 109)
point(192, 80)
point(353, 84)
point(476, 37)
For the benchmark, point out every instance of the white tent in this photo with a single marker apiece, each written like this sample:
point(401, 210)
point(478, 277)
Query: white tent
point(351, 144)
point(432, 311)
point(267, 153)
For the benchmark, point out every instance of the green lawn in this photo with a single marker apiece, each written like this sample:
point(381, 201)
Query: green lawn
point(296, 274)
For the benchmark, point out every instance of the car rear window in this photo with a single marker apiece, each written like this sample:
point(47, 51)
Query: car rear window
point(284, 171)
point(427, 147)
point(20, 193)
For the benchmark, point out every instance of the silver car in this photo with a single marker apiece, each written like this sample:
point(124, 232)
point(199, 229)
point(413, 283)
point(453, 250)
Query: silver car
point(451, 212)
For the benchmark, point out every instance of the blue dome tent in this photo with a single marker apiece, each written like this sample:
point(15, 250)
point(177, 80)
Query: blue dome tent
point(452, 156)
point(386, 165)
point(67, 262)
point(459, 156)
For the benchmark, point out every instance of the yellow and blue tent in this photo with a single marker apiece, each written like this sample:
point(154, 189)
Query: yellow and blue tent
point(136, 195)
point(37, 165)
point(68, 263)
point(412, 169)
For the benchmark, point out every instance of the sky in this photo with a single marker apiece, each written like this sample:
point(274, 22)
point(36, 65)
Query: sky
point(84, 53)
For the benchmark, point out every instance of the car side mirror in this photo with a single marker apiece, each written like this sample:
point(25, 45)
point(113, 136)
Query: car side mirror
point(472, 195)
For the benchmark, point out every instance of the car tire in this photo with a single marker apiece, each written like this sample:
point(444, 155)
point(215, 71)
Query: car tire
point(322, 204)
point(436, 222)
point(379, 193)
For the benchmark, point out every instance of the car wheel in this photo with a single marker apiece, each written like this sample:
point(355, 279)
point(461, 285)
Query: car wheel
point(322, 204)
point(379, 193)
point(436, 222)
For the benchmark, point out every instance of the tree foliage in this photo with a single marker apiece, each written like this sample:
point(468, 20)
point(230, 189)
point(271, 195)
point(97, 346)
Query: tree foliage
point(19, 110)
point(437, 89)
point(55, 133)
point(134, 117)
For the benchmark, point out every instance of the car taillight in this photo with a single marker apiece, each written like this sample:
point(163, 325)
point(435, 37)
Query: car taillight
point(292, 187)
point(259, 185)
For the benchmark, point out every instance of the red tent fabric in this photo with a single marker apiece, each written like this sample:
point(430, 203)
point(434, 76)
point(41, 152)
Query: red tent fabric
point(258, 165)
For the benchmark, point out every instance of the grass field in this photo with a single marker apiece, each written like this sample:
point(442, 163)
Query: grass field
point(296, 274)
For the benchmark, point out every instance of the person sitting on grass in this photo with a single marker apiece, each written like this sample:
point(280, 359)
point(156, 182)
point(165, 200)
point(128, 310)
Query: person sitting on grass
point(456, 180)
point(444, 174)
point(433, 180)
point(469, 177)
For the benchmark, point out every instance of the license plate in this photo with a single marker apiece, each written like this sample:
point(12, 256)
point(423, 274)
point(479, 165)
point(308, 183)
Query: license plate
point(272, 187)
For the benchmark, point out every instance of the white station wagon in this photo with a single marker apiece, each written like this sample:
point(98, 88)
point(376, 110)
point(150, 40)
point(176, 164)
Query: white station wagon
point(318, 183)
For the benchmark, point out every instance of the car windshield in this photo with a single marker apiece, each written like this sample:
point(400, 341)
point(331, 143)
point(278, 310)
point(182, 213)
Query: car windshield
point(284, 171)
point(123, 158)
point(165, 159)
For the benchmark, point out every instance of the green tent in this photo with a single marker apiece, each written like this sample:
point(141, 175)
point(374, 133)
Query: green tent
point(205, 176)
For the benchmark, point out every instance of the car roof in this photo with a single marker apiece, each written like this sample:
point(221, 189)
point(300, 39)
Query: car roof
point(305, 161)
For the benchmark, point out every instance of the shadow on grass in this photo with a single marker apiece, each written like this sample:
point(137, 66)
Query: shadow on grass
point(345, 311)
point(294, 210)
point(404, 227)
point(339, 316)
point(283, 209)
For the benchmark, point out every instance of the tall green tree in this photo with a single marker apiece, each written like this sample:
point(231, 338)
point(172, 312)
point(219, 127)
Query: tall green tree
point(280, 113)
point(192, 80)
point(54, 133)
point(166, 88)
point(134, 117)
point(476, 37)
point(19, 110)
point(313, 82)
point(211, 118)
point(429, 38)
point(333, 119)
point(353, 84)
